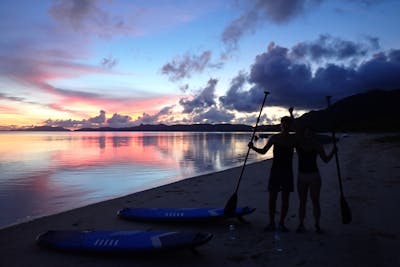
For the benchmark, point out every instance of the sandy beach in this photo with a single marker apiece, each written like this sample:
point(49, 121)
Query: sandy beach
point(371, 180)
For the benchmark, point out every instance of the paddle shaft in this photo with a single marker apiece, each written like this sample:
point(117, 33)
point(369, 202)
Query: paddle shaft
point(328, 98)
point(252, 138)
point(337, 163)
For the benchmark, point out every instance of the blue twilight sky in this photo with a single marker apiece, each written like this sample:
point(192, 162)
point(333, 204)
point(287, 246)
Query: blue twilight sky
point(121, 63)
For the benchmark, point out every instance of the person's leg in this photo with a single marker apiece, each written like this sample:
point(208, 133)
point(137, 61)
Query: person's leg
point(302, 189)
point(272, 209)
point(315, 190)
point(284, 210)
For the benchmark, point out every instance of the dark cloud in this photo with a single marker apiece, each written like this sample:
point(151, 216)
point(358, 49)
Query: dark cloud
point(283, 10)
point(213, 115)
point(237, 28)
point(382, 71)
point(72, 124)
point(294, 83)
point(237, 98)
point(87, 16)
point(12, 98)
point(22, 100)
point(205, 99)
point(184, 66)
point(366, 3)
point(109, 62)
point(328, 47)
point(203, 107)
point(184, 88)
point(99, 119)
point(153, 119)
point(259, 11)
point(76, 94)
point(74, 11)
point(118, 120)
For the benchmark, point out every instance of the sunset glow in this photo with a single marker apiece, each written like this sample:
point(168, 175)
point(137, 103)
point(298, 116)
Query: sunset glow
point(119, 64)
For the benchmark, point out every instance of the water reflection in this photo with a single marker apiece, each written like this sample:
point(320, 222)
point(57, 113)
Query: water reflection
point(44, 173)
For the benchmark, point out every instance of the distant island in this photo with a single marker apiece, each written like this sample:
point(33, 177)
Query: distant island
point(44, 129)
point(203, 127)
point(373, 111)
point(222, 127)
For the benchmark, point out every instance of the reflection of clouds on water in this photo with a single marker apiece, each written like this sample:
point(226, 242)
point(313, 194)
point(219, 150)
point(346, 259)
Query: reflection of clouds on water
point(44, 173)
point(216, 151)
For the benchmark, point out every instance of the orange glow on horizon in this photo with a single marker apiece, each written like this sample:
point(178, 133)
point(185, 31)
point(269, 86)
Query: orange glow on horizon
point(75, 108)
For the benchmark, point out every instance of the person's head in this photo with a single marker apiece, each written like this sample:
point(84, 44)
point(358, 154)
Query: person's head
point(286, 123)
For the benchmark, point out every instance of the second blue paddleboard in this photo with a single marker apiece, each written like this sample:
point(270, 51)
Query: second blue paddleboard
point(179, 214)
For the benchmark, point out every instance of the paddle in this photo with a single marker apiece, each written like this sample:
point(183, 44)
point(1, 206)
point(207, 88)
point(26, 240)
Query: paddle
point(231, 205)
point(345, 209)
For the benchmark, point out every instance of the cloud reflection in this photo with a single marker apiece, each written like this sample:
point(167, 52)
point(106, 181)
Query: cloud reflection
point(51, 172)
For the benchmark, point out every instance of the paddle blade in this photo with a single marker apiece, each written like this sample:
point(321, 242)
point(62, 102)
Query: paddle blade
point(230, 207)
point(346, 212)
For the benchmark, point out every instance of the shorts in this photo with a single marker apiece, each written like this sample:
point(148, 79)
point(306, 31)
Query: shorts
point(281, 183)
point(309, 179)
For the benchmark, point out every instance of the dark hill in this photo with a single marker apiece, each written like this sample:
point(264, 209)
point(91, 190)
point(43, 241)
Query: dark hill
point(374, 111)
point(45, 129)
point(179, 128)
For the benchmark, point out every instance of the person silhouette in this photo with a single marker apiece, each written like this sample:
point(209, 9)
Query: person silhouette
point(281, 173)
point(309, 179)
point(308, 149)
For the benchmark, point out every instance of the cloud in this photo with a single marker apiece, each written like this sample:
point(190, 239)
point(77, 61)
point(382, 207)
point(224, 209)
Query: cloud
point(261, 11)
point(283, 11)
point(203, 107)
point(213, 115)
point(184, 66)
point(99, 119)
point(109, 62)
point(38, 69)
point(205, 99)
point(156, 118)
point(239, 99)
point(88, 16)
point(293, 83)
point(71, 124)
point(12, 98)
point(237, 28)
point(52, 106)
point(118, 120)
point(328, 47)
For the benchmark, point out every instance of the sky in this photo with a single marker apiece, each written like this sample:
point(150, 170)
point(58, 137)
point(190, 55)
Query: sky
point(119, 63)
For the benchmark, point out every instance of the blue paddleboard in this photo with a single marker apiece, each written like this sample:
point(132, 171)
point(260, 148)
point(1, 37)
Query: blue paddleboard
point(121, 241)
point(179, 214)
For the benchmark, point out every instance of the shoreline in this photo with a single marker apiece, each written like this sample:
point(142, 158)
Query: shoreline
point(371, 180)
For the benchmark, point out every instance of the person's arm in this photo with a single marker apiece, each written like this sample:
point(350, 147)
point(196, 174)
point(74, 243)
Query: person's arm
point(291, 112)
point(264, 149)
point(321, 151)
point(294, 124)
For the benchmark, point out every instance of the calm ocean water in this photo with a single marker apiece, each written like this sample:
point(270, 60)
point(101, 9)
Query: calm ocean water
point(42, 173)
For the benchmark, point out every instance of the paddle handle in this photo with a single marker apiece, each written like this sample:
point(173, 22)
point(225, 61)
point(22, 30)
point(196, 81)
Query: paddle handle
point(328, 100)
point(251, 140)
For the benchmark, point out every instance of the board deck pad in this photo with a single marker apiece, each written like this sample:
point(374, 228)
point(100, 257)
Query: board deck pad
point(121, 241)
point(179, 214)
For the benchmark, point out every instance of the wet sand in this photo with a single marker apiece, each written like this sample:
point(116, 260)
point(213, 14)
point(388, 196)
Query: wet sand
point(371, 180)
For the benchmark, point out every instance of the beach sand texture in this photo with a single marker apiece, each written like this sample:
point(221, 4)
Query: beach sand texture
point(371, 180)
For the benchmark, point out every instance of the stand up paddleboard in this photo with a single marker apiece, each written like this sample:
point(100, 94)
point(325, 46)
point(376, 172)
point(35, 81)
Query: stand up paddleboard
point(180, 214)
point(121, 241)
